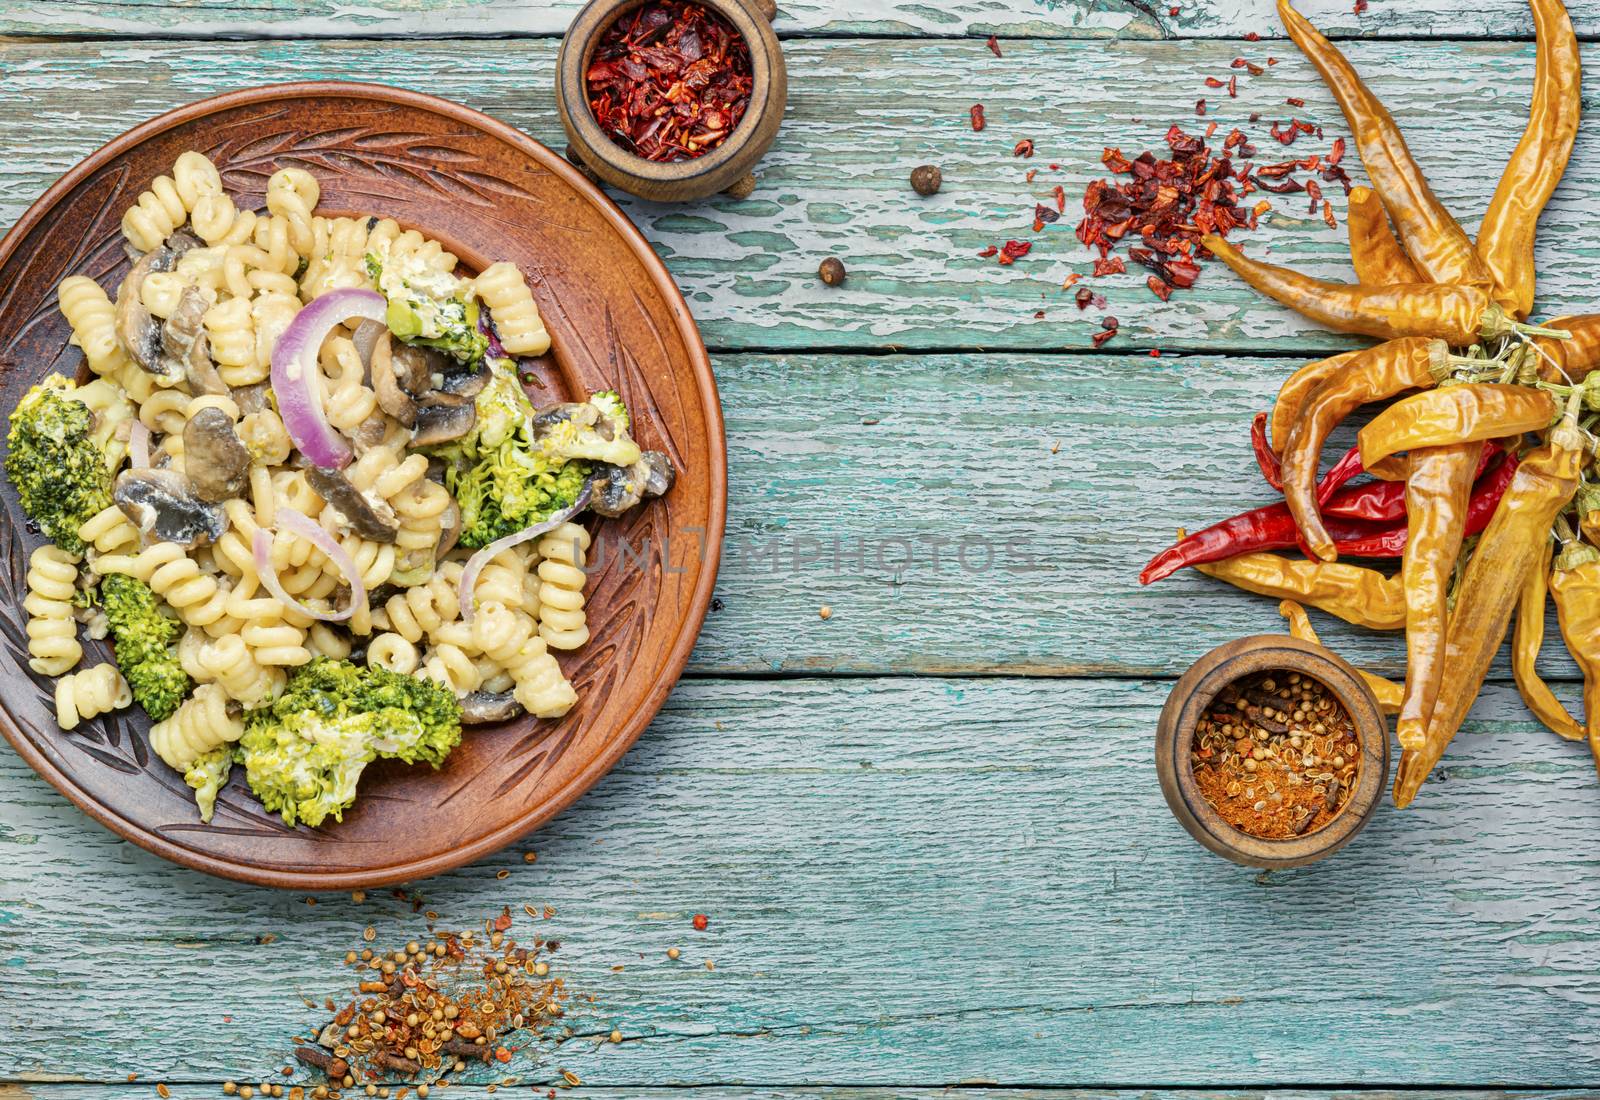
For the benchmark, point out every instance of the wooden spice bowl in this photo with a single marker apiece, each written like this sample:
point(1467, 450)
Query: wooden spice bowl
point(1193, 695)
point(676, 181)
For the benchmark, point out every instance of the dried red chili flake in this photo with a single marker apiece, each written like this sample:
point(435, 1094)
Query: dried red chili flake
point(977, 116)
point(1213, 82)
point(1031, 173)
point(1023, 148)
point(670, 81)
point(987, 252)
point(1012, 251)
point(503, 921)
point(1253, 36)
point(1200, 107)
point(1159, 287)
point(1336, 154)
point(1361, 6)
point(1083, 297)
point(1314, 191)
point(1100, 339)
point(1335, 174)
point(994, 45)
point(1043, 213)
point(1287, 135)
point(1071, 279)
point(1061, 198)
point(1055, 168)
point(1327, 215)
point(1211, 131)
point(1109, 265)
point(1233, 86)
point(1279, 186)
point(1115, 161)
point(1173, 11)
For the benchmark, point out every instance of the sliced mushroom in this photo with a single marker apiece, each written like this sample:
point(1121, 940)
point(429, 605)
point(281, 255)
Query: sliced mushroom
point(483, 707)
point(163, 505)
point(618, 488)
point(418, 368)
point(550, 416)
point(252, 399)
point(440, 423)
point(660, 476)
point(374, 521)
point(467, 383)
point(370, 433)
point(393, 397)
point(137, 331)
point(183, 339)
point(215, 458)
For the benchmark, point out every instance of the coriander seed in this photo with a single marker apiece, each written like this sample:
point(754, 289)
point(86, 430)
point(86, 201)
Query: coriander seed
point(831, 271)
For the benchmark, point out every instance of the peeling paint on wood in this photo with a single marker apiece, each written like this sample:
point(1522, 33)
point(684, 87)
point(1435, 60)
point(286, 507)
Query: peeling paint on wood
point(908, 881)
point(861, 115)
point(1140, 19)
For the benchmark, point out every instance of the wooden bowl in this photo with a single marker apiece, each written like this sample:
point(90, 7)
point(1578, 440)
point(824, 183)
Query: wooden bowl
point(488, 192)
point(1192, 695)
point(678, 181)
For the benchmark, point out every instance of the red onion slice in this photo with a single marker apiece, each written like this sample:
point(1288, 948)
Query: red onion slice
point(296, 379)
point(303, 525)
point(475, 564)
point(139, 444)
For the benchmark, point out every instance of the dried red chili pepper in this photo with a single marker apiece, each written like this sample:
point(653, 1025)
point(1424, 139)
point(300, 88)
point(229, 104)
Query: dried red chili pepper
point(670, 80)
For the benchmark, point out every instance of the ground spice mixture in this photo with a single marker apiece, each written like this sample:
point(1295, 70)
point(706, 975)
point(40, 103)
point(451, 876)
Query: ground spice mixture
point(670, 80)
point(425, 1009)
point(1276, 755)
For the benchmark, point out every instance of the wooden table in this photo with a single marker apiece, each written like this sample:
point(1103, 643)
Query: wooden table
point(927, 830)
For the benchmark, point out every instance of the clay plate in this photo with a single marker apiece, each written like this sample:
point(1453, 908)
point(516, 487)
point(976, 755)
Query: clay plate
point(488, 192)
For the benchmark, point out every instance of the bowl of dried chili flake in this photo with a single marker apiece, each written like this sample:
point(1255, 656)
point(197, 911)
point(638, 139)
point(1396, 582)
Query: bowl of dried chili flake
point(1272, 751)
point(671, 100)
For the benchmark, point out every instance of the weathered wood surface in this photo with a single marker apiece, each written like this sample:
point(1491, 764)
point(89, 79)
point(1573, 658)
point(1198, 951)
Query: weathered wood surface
point(909, 882)
point(957, 1092)
point(991, 512)
point(861, 114)
point(1143, 19)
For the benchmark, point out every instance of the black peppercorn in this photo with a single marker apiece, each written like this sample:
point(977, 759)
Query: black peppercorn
point(926, 179)
point(831, 271)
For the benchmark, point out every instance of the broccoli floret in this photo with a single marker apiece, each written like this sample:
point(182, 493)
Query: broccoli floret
point(594, 431)
point(143, 639)
point(429, 308)
point(609, 402)
point(60, 455)
point(304, 753)
point(207, 775)
point(501, 478)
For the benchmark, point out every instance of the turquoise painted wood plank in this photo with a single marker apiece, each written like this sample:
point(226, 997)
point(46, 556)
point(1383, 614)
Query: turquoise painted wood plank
point(989, 513)
point(478, 1092)
point(1033, 18)
point(862, 113)
point(908, 882)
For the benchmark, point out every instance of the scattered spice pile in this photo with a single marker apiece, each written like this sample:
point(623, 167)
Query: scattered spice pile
point(428, 1008)
point(670, 80)
point(1169, 203)
point(1276, 755)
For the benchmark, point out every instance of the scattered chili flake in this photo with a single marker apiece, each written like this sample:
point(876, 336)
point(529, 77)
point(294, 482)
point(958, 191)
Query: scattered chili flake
point(1083, 297)
point(1213, 82)
point(977, 116)
point(670, 80)
point(1253, 36)
point(1314, 190)
point(1200, 107)
point(1173, 11)
point(1260, 208)
point(1031, 173)
point(1061, 198)
point(1233, 86)
point(1109, 265)
point(501, 1054)
point(1155, 353)
point(1159, 287)
point(1055, 168)
point(994, 45)
point(1337, 153)
point(987, 252)
point(1073, 278)
point(1038, 315)
point(1023, 148)
point(1100, 339)
point(1012, 251)
point(1361, 6)
point(700, 922)
point(1327, 215)
point(1043, 213)
point(503, 921)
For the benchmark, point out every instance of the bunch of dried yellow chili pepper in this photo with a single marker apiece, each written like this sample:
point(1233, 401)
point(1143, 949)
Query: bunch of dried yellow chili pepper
point(1426, 287)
